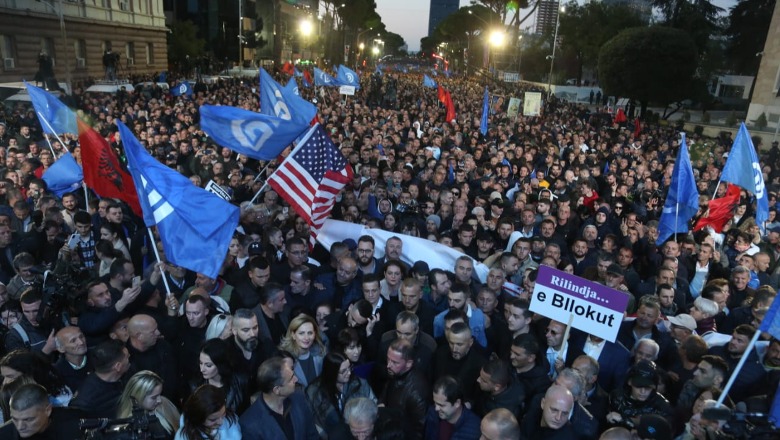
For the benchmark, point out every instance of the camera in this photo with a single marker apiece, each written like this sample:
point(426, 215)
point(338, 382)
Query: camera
point(135, 427)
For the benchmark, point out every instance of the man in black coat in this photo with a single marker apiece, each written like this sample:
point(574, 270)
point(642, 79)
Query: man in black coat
point(407, 389)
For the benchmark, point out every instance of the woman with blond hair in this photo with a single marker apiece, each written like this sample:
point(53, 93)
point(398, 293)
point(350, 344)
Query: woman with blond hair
point(304, 342)
point(144, 391)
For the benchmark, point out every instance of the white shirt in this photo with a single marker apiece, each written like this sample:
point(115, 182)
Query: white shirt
point(593, 349)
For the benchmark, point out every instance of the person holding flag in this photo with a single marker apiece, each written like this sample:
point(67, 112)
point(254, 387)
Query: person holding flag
point(682, 201)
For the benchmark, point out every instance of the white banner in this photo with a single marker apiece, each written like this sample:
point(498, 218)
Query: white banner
point(532, 104)
point(414, 248)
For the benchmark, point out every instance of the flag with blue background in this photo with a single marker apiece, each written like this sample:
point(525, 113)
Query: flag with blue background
point(54, 116)
point(249, 133)
point(682, 200)
point(348, 77)
point(742, 169)
point(283, 102)
point(195, 225)
point(183, 88)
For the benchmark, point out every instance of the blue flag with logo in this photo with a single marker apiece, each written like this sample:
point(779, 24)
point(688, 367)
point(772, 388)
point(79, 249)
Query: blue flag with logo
point(483, 121)
point(249, 133)
point(63, 176)
point(348, 77)
point(54, 116)
point(321, 78)
point(195, 225)
point(682, 200)
point(183, 88)
point(429, 82)
point(742, 169)
point(283, 102)
point(297, 73)
point(292, 86)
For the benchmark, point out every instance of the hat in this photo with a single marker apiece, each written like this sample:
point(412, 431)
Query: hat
point(615, 269)
point(434, 218)
point(498, 202)
point(603, 210)
point(421, 268)
point(775, 229)
point(643, 374)
point(655, 427)
point(350, 243)
point(255, 249)
point(683, 320)
point(495, 195)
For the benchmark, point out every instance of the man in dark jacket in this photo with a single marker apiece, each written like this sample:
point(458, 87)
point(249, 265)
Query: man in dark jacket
point(98, 395)
point(449, 414)
point(549, 421)
point(149, 352)
point(459, 358)
point(407, 389)
point(281, 411)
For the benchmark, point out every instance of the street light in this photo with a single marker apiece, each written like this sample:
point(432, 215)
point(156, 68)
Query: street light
point(561, 10)
point(64, 41)
point(307, 28)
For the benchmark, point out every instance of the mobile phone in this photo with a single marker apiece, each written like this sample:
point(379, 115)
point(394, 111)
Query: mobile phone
point(208, 152)
point(73, 241)
point(136, 281)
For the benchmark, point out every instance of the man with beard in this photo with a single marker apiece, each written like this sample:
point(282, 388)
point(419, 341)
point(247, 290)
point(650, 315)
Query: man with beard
point(406, 390)
point(411, 301)
point(249, 348)
point(103, 311)
point(459, 359)
point(367, 263)
point(579, 256)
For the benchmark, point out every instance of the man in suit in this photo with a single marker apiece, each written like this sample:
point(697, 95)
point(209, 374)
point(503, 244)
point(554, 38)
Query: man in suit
point(280, 411)
point(613, 357)
point(272, 312)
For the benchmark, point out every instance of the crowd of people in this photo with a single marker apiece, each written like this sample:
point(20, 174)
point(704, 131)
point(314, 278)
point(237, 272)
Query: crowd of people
point(359, 340)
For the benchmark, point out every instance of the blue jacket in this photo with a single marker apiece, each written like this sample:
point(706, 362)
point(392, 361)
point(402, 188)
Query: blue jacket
point(466, 428)
point(257, 423)
point(476, 323)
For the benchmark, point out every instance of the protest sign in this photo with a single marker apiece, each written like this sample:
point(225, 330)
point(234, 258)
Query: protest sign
point(597, 309)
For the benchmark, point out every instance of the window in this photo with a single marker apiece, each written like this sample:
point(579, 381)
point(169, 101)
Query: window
point(80, 49)
point(124, 5)
point(130, 53)
point(47, 46)
point(8, 52)
point(149, 53)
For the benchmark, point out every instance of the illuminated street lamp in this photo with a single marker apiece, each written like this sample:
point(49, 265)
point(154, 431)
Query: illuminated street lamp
point(307, 27)
point(497, 38)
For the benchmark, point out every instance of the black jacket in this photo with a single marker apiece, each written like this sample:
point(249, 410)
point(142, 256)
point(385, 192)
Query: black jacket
point(97, 398)
point(411, 394)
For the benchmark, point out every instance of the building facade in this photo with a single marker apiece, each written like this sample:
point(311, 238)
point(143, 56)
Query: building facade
point(546, 15)
point(766, 93)
point(440, 9)
point(133, 29)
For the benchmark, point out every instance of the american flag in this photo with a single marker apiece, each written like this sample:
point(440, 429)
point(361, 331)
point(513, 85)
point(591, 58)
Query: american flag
point(311, 177)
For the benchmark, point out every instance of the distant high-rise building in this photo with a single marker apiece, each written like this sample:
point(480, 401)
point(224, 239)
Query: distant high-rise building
point(546, 14)
point(642, 7)
point(440, 9)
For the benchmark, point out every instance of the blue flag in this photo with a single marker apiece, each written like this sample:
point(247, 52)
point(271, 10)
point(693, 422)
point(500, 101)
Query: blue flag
point(348, 77)
point(283, 102)
point(742, 169)
point(483, 121)
point(682, 200)
point(378, 71)
point(297, 73)
point(429, 82)
point(251, 134)
point(292, 86)
point(183, 88)
point(195, 225)
point(321, 78)
point(64, 175)
point(163, 77)
point(54, 116)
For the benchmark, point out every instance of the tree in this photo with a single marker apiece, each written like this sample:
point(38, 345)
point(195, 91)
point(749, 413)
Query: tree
point(747, 30)
point(585, 29)
point(184, 44)
point(649, 63)
point(698, 17)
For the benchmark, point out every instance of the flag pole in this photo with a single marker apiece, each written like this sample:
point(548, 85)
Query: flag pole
point(46, 136)
point(157, 256)
point(252, 202)
point(42, 118)
point(86, 195)
point(737, 369)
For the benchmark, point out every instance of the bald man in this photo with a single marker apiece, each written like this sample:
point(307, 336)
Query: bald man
point(73, 365)
point(149, 352)
point(499, 424)
point(550, 420)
